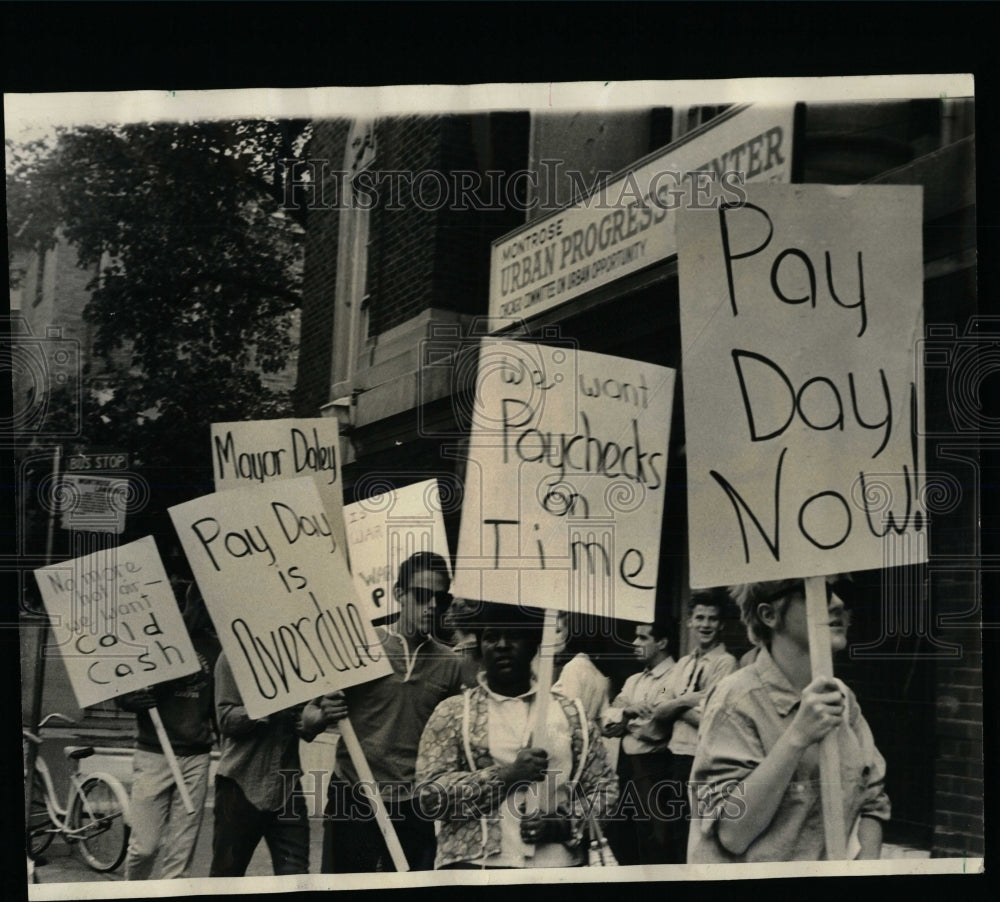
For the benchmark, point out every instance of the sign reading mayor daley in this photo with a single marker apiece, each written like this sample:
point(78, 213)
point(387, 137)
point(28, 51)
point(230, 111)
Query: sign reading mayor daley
point(259, 451)
point(115, 621)
point(280, 596)
point(800, 316)
point(565, 482)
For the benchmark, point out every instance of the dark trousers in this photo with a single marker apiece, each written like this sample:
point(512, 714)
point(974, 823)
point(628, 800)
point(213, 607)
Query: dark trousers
point(240, 826)
point(352, 840)
point(641, 834)
point(680, 824)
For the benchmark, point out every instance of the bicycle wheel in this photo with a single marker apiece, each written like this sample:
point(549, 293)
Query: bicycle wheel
point(40, 831)
point(103, 836)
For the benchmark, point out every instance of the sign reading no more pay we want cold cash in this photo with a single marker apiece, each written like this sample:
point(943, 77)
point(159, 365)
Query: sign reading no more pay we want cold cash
point(800, 317)
point(565, 482)
point(279, 593)
point(115, 621)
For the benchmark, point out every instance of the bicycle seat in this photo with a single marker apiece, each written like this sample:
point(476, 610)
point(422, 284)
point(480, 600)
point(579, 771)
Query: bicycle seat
point(79, 752)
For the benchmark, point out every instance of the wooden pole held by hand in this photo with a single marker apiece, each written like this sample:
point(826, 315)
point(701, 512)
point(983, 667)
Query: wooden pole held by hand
point(369, 787)
point(175, 768)
point(821, 661)
point(546, 796)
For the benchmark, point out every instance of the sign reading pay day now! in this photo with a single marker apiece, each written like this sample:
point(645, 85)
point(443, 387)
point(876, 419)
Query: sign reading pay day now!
point(565, 482)
point(280, 596)
point(801, 313)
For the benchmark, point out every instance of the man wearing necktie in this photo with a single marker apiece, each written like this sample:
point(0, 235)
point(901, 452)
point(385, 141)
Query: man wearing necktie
point(694, 677)
point(644, 763)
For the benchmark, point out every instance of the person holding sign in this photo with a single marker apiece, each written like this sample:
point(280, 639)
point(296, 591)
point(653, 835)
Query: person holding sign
point(388, 715)
point(159, 824)
point(755, 779)
point(478, 769)
point(645, 759)
point(257, 792)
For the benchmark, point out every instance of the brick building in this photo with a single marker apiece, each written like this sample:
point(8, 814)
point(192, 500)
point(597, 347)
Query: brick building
point(390, 285)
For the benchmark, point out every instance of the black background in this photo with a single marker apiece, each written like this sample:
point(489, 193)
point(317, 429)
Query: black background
point(173, 46)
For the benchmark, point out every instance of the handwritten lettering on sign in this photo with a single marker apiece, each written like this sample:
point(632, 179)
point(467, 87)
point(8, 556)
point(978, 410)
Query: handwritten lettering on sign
point(262, 451)
point(565, 480)
point(384, 530)
point(800, 316)
point(115, 621)
point(278, 590)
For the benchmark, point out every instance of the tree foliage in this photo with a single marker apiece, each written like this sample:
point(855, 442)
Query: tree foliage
point(199, 267)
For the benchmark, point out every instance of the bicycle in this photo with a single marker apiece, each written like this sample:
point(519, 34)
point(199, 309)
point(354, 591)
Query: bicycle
point(94, 818)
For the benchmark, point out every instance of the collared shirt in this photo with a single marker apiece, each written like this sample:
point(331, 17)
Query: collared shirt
point(581, 679)
point(390, 713)
point(648, 687)
point(697, 672)
point(262, 756)
point(509, 723)
point(745, 716)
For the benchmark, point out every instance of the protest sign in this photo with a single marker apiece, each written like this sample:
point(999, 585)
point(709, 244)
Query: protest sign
point(277, 588)
point(565, 482)
point(259, 451)
point(800, 316)
point(383, 531)
point(115, 621)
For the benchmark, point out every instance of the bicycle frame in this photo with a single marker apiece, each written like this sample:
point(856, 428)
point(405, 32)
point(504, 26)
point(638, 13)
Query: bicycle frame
point(59, 814)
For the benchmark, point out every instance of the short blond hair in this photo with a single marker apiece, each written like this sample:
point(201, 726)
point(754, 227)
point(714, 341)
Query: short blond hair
point(750, 596)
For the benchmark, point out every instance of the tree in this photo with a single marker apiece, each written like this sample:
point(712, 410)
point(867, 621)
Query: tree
point(199, 269)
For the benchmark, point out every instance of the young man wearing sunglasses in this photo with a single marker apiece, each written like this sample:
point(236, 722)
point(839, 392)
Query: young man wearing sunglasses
point(755, 779)
point(389, 715)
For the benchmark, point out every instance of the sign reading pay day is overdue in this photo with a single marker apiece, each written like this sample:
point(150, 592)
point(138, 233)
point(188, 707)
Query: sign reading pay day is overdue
point(801, 313)
point(277, 587)
point(565, 483)
point(116, 622)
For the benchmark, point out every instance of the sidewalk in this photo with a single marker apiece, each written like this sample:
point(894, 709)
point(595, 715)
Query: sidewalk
point(64, 865)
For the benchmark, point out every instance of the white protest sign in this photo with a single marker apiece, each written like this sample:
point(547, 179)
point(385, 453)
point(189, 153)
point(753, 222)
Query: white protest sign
point(279, 593)
point(115, 621)
point(93, 503)
point(384, 530)
point(259, 451)
point(800, 317)
point(565, 483)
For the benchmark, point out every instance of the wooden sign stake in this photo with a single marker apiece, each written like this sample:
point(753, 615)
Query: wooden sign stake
point(821, 660)
point(168, 750)
point(368, 786)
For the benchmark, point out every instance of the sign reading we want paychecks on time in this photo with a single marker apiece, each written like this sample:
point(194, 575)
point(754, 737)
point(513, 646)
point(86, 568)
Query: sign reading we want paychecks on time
point(565, 480)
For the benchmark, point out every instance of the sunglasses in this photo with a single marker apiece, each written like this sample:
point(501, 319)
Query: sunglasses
point(425, 596)
point(843, 588)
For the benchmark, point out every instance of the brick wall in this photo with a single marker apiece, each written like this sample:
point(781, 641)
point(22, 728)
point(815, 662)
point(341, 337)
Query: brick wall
point(401, 265)
point(422, 257)
point(958, 780)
